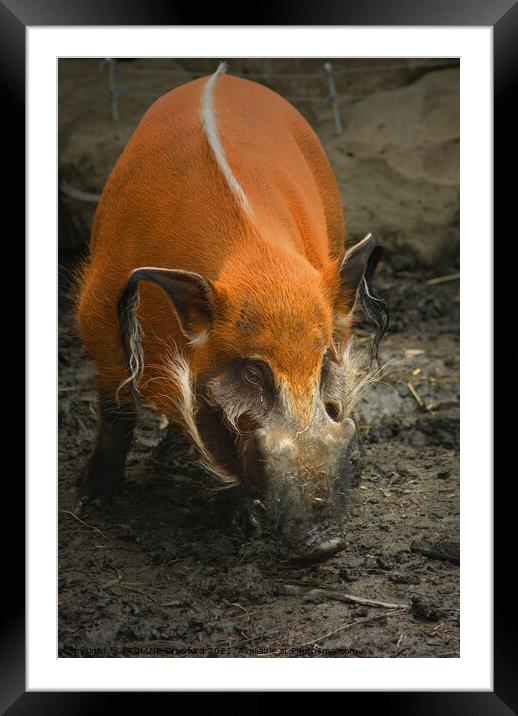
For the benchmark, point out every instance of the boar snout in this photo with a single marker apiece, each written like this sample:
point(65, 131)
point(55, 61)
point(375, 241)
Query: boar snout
point(292, 475)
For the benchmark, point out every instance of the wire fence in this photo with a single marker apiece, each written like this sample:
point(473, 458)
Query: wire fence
point(327, 77)
point(266, 76)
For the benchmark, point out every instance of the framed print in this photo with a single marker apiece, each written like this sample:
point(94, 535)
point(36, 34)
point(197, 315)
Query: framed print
point(259, 454)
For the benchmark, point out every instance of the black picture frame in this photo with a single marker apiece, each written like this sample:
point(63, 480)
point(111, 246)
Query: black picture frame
point(15, 17)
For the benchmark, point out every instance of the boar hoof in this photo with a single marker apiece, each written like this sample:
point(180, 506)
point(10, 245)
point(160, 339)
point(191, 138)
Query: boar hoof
point(96, 492)
point(85, 505)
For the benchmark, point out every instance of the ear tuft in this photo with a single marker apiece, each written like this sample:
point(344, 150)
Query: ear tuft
point(374, 307)
point(355, 289)
point(131, 337)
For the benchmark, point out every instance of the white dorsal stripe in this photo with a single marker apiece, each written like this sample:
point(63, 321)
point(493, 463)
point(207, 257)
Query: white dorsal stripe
point(208, 120)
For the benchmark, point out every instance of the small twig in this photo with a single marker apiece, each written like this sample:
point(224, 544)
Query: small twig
point(128, 586)
point(416, 395)
point(350, 625)
point(235, 604)
point(444, 405)
point(443, 279)
point(85, 524)
point(138, 591)
point(111, 583)
point(246, 615)
point(352, 599)
point(392, 480)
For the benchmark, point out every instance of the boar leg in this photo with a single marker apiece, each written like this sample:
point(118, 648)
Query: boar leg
point(104, 473)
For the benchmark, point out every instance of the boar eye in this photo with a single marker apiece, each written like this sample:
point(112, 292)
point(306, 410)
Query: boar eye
point(256, 373)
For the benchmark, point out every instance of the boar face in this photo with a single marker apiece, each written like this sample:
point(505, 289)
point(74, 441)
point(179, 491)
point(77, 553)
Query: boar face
point(290, 455)
point(264, 389)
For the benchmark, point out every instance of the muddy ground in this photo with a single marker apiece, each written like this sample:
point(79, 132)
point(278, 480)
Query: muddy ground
point(157, 576)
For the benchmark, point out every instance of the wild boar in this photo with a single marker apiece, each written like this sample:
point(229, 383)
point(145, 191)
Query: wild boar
point(218, 288)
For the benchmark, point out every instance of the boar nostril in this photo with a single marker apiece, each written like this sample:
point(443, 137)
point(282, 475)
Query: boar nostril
point(334, 409)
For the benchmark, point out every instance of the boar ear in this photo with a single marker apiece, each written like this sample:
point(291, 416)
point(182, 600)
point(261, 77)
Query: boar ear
point(354, 287)
point(192, 296)
point(351, 273)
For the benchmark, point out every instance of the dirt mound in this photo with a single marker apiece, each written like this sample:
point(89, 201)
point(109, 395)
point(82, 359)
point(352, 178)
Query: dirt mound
point(397, 165)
